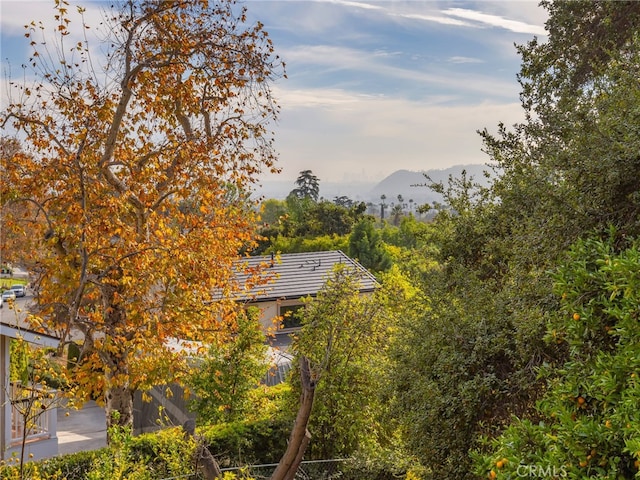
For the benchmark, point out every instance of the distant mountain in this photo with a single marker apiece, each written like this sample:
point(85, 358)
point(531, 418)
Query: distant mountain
point(279, 190)
point(411, 185)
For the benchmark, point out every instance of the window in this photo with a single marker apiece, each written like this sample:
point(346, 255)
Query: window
point(289, 314)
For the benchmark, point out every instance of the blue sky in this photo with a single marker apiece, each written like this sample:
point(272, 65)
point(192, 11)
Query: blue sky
point(373, 87)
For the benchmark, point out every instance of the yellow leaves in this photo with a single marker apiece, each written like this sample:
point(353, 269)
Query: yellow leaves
point(160, 162)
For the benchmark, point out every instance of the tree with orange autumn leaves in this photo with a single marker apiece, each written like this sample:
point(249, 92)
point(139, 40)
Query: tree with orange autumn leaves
point(134, 179)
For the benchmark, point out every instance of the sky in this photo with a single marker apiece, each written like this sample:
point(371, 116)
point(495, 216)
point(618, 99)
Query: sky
point(372, 86)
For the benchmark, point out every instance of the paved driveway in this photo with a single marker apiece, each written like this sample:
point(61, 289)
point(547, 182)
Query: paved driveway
point(80, 430)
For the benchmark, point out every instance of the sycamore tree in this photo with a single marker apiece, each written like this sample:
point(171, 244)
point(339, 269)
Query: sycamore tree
point(136, 166)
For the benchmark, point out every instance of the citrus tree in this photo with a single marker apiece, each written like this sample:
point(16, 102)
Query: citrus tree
point(569, 169)
point(588, 418)
point(136, 167)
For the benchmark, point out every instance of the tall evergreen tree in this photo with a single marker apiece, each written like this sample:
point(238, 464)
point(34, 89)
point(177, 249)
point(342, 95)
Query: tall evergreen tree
point(308, 186)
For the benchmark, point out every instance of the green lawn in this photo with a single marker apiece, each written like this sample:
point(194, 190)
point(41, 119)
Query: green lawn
point(7, 282)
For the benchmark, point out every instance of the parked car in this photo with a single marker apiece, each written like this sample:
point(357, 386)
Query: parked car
point(8, 295)
point(19, 290)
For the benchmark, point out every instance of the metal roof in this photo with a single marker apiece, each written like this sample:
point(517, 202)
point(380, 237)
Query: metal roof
point(295, 275)
point(31, 336)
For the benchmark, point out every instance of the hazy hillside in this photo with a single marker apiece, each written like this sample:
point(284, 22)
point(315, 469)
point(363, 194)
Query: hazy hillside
point(401, 182)
point(412, 185)
point(329, 190)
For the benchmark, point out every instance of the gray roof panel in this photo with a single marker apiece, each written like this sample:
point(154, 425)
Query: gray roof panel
point(295, 275)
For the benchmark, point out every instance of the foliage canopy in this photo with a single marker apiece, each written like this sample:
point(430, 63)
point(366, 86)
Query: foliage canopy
point(136, 182)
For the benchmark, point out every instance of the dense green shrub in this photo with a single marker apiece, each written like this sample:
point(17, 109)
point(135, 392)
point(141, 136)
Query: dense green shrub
point(284, 244)
point(167, 454)
point(588, 419)
point(69, 467)
point(249, 442)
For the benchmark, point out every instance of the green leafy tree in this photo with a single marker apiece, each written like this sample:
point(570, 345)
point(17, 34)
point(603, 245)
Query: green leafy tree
point(327, 218)
point(451, 367)
point(344, 336)
point(588, 417)
point(366, 246)
point(343, 201)
point(322, 243)
point(307, 218)
point(229, 372)
point(272, 212)
point(565, 172)
point(411, 233)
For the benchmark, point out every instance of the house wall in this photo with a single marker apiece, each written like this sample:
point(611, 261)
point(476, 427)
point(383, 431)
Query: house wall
point(5, 406)
point(44, 447)
point(270, 310)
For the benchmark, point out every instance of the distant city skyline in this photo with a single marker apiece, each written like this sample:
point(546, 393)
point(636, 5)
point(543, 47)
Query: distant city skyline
point(373, 87)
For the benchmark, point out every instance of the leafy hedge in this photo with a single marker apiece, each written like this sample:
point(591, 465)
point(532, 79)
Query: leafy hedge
point(163, 454)
point(69, 467)
point(250, 442)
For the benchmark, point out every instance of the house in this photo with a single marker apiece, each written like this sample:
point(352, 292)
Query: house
point(292, 277)
point(40, 432)
point(284, 281)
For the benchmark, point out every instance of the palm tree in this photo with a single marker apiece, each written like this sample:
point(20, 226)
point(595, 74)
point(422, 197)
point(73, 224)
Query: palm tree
point(383, 197)
point(396, 213)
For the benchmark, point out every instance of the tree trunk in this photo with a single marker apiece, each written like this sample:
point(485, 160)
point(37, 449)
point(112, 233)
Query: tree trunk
point(203, 456)
point(118, 393)
point(291, 474)
point(300, 436)
point(118, 408)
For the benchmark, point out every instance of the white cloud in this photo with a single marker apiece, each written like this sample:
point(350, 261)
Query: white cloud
point(380, 134)
point(369, 65)
point(365, 6)
point(464, 60)
point(435, 19)
point(496, 21)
